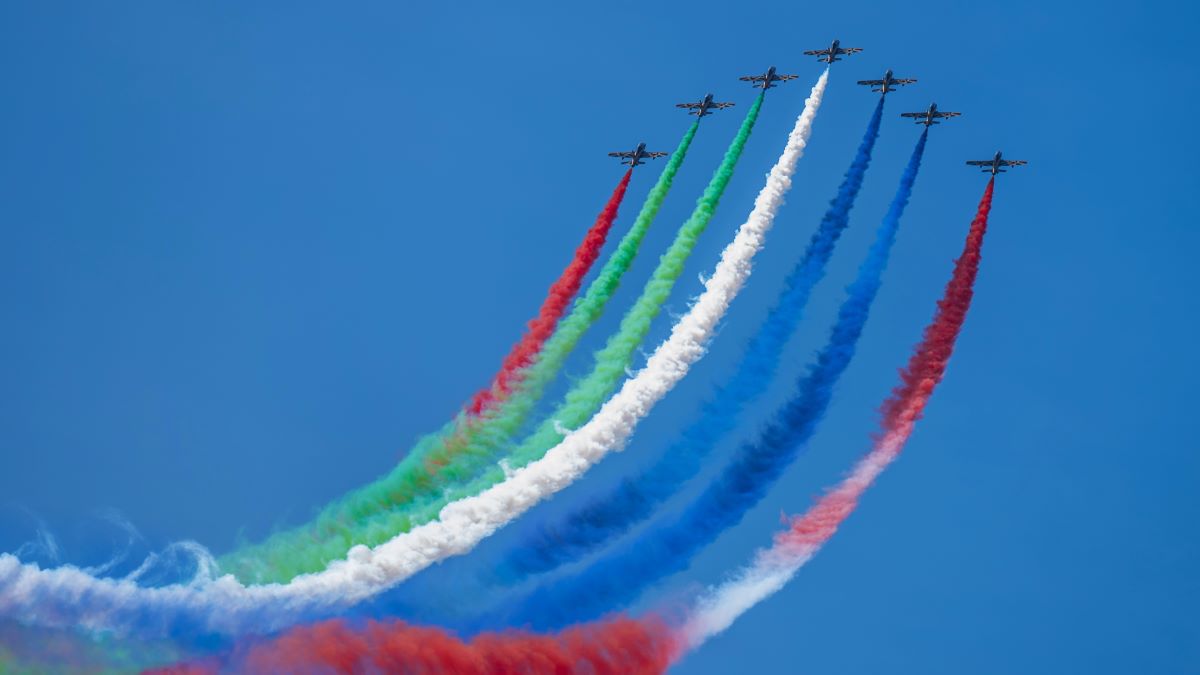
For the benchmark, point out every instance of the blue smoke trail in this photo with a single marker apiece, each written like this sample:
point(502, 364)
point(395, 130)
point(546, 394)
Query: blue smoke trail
point(619, 577)
point(598, 521)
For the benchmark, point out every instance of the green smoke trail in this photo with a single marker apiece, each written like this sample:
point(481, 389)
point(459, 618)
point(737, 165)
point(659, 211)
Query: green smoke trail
point(448, 455)
point(611, 362)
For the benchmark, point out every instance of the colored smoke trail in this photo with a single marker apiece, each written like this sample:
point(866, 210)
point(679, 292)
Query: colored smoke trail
point(429, 466)
point(555, 304)
point(611, 363)
point(613, 513)
point(39, 650)
point(794, 546)
point(621, 575)
point(617, 646)
point(464, 457)
point(66, 596)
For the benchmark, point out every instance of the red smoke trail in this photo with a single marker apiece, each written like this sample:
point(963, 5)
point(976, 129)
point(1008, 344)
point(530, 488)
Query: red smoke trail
point(615, 646)
point(907, 402)
point(556, 302)
point(928, 363)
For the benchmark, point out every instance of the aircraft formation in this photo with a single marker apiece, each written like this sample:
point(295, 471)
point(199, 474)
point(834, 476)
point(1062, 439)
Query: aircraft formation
point(472, 476)
point(834, 52)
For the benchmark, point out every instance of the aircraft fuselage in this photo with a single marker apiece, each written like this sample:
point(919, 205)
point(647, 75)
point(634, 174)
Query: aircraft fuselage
point(887, 82)
point(770, 77)
point(638, 153)
point(833, 51)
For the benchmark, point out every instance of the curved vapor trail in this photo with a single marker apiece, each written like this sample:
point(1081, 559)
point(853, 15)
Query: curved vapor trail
point(806, 534)
point(67, 596)
point(622, 574)
point(611, 514)
point(617, 646)
point(646, 643)
point(611, 363)
point(431, 463)
point(466, 463)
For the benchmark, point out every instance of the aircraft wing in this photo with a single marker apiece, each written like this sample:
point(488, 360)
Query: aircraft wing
point(652, 155)
point(786, 77)
point(817, 52)
point(620, 154)
point(850, 50)
point(949, 114)
point(1013, 162)
point(721, 106)
point(979, 162)
point(876, 83)
point(909, 80)
point(920, 114)
point(688, 105)
point(752, 78)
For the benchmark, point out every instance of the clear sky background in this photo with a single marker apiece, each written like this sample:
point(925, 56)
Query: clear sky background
point(248, 254)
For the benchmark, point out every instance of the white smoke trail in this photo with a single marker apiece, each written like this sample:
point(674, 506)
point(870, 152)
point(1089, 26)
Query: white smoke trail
point(132, 537)
point(68, 596)
point(43, 545)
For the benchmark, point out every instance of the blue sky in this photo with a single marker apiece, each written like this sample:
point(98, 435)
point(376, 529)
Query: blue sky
point(248, 254)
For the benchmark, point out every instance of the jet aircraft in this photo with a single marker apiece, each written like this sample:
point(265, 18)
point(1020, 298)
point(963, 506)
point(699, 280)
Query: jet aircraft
point(888, 83)
point(704, 107)
point(634, 157)
point(930, 116)
point(835, 50)
point(993, 165)
point(767, 79)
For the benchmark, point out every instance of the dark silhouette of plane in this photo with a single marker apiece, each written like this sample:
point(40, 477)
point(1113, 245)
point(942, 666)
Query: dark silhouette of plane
point(993, 165)
point(767, 79)
point(634, 157)
point(704, 107)
point(835, 50)
point(930, 116)
point(888, 83)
